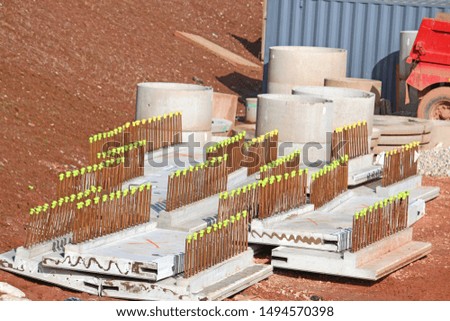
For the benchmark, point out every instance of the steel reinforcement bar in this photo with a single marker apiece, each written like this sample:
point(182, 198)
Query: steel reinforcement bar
point(215, 244)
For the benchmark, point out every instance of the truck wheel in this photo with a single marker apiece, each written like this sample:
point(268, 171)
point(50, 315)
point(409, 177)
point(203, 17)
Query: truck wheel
point(435, 104)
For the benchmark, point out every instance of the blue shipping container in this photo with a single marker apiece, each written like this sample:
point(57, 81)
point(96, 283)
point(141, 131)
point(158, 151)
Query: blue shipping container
point(369, 30)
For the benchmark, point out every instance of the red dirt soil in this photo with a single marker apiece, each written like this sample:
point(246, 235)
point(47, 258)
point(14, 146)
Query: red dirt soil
point(70, 69)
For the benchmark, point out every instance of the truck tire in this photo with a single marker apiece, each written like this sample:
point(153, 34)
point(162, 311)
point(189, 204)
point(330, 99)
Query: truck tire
point(435, 104)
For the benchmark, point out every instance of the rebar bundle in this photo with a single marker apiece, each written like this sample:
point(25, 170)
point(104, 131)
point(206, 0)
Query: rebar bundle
point(329, 182)
point(267, 197)
point(133, 153)
point(215, 244)
point(261, 151)
point(54, 219)
point(282, 165)
point(196, 182)
point(111, 213)
point(109, 174)
point(380, 220)
point(158, 132)
point(122, 150)
point(400, 164)
point(233, 147)
point(244, 198)
point(282, 193)
point(351, 140)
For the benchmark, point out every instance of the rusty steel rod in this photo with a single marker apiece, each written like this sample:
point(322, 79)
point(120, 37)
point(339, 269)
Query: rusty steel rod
point(111, 212)
point(329, 182)
point(233, 147)
point(159, 131)
point(208, 247)
point(400, 163)
point(196, 182)
point(54, 219)
point(380, 220)
point(260, 151)
point(351, 140)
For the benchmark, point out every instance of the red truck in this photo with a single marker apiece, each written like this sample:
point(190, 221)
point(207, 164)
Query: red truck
point(430, 68)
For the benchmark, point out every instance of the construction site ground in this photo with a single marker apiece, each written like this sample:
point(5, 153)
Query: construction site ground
point(70, 69)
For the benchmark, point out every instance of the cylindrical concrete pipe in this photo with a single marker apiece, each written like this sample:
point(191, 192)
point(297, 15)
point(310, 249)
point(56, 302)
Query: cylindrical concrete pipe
point(350, 105)
point(194, 101)
point(371, 85)
point(302, 121)
point(292, 66)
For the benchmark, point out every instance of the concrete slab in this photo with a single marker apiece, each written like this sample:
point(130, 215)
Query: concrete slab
point(152, 255)
point(216, 283)
point(32, 269)
point(327, 228)
point(407, 184)
point(371, 263)
point(362, 169)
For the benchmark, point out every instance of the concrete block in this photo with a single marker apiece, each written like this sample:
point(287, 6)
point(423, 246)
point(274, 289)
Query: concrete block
point(151, 254)
point(407, 184)
point(257, 223)
point(169, 290)
point(361, 170)
point(327, 228)
point(198, 210)
point(32, 268)
point(371, 263)
point(220, 271)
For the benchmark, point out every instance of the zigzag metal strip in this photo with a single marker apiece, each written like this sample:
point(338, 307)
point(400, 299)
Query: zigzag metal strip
point(296, 239)
point(87, 265)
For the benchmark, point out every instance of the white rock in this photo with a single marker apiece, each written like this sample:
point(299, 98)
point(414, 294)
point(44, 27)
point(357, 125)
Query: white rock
point(9, 297)
point(9, 289)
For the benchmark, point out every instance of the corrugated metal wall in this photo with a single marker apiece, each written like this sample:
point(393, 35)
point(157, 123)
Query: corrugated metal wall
point(369, 30)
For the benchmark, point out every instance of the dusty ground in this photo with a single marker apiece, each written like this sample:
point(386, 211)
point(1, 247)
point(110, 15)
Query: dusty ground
point(70, 69)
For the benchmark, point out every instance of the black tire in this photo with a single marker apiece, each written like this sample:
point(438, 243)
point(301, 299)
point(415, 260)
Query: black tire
point(435, 104)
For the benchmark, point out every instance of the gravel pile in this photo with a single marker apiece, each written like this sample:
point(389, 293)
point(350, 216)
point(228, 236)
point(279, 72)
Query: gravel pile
point(435, 162)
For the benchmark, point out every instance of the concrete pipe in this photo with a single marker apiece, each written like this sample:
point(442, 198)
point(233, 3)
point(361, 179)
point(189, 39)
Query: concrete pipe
point(407, 39)
point(350, 105)
point(301, 120)
point(371, 85)
point(303, 66)
point(194, 101)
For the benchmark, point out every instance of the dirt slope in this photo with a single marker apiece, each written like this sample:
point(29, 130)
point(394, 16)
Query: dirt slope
point(70, 69)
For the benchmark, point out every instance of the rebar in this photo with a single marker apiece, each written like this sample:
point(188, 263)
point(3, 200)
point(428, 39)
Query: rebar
point(111, 213)
point(54, 219)
point(400, 163)
point(233, 147)
point(282, 165)
point(208, 247)
point(329, 182)
point(196, 182)
point(267, 197)
point(380, 220)
point(109, 174)
point(351, 140)
point(260, 151)
point(158, 132)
